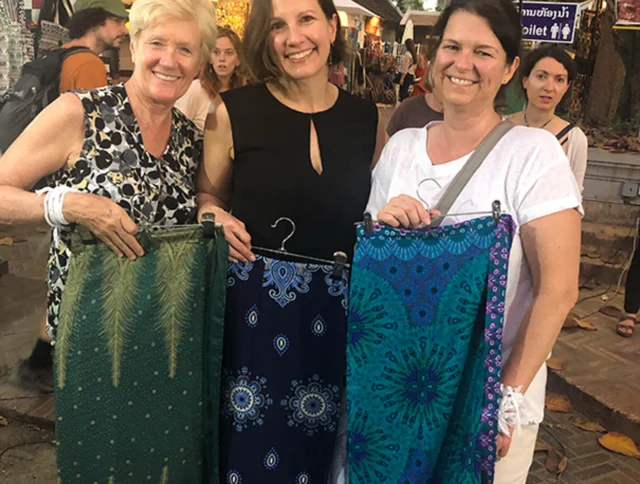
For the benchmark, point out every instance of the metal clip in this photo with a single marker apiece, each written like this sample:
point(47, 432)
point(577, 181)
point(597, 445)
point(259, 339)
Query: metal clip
point(209, 225)
point(339, 264)
point(368, 223)
point(496, 210)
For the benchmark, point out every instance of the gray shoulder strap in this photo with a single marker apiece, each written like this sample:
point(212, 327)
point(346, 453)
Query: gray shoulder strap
point(468, 170)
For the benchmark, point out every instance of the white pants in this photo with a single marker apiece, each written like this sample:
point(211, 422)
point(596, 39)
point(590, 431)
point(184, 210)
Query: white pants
point(514, 468)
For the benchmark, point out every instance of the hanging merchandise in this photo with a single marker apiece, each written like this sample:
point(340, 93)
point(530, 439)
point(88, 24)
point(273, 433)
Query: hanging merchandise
point(16, 43)
point(426, 312)
point(628, 14)
point(137, 360)
point(283, 371)
point(52, 36)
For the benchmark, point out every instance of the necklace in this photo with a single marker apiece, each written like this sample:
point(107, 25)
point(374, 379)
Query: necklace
point(526, 121)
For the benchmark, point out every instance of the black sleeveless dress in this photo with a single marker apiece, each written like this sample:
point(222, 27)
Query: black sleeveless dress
point(286, 323)
point(273, 176)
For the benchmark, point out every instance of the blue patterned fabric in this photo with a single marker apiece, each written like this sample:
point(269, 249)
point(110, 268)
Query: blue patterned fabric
point(283, 372)
point(424, 353)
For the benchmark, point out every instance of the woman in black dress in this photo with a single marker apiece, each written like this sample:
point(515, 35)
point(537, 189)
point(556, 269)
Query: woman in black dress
point(292, 146)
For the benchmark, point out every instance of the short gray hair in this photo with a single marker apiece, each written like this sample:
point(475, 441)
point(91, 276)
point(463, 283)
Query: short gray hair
point(146, 13)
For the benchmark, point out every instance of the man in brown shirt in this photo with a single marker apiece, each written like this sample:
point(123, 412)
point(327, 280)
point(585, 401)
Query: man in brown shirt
point(97, 25)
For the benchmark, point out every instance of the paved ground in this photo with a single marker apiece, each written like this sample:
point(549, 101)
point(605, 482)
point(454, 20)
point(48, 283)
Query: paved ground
point(589, 462)
point(27, 454)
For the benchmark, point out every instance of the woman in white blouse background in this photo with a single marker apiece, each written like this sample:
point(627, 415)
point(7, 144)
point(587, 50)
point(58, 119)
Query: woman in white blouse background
point(547, 74)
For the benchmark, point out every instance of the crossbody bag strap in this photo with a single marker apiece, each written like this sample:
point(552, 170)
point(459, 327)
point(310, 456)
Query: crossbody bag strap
point(468, 170)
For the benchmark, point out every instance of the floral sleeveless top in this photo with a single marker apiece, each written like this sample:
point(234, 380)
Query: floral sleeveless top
point(113, 163)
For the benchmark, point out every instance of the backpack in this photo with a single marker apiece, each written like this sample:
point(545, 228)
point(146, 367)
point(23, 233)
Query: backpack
point(38, 86)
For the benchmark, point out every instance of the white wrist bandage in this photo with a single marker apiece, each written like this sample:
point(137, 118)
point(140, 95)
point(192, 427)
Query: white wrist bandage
point(511, 403)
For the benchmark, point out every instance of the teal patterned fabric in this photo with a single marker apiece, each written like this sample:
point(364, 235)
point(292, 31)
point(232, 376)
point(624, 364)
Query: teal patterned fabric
point(426, 311)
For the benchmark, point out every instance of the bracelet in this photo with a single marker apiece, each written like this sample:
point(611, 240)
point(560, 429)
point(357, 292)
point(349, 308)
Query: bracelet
point(53, 213)
point(511, 403)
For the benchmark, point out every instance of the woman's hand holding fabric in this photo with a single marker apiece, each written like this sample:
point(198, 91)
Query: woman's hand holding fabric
point(504, 444)
point(107, 220)
point(235, 232)
point(405, 211)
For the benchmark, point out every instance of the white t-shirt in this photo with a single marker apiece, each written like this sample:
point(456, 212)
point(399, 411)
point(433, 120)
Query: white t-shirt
point(527, 171)
point(195, 104)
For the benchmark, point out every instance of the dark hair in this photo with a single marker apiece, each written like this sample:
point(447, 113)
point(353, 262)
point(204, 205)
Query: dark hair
point(411, 48)
point(553, 51)
point(261, 59)
point(83, 21)
point(501, 15)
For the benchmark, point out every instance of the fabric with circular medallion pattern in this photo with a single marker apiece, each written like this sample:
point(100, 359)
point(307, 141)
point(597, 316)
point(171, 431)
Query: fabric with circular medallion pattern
point(137, 341)
point(424, 352)
point(283, 372)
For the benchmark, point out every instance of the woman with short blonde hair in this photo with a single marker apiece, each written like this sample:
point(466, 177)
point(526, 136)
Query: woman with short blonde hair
point(117, 160)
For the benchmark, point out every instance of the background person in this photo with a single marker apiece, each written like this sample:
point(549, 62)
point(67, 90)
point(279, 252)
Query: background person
point(407, 69)
point(526, 171)
point(224, 71)
point(547, 74)
point(417, 112)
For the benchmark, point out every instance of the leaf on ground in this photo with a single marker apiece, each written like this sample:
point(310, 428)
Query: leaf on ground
point(43, 229)
point(553, 460)
point(556, 363)
point(3, 421)
point(571, 321)
point(586, 325)
point(620, 444)
point(562, 465)
point(6, 241)
point(588, 425)
point(558, 403)
point(542, 446)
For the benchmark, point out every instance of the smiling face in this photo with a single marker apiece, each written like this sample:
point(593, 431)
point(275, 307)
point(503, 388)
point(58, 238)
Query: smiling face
point(224, 57)
point(301, 37)
point(167, 57)
point(471, 65)
point(547, 84)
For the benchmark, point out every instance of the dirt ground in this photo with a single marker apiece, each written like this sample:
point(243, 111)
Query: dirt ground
point(27, 454)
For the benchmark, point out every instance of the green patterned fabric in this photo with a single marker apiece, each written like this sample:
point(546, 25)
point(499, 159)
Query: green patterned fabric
point(137, 361)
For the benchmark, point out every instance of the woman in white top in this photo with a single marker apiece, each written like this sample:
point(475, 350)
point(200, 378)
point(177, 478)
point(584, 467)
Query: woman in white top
point(407, 69)
point(221, 73)
point(547, 74)
point(527, 172)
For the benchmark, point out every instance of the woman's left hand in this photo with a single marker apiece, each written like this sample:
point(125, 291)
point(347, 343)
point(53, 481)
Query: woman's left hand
point(504, 444)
